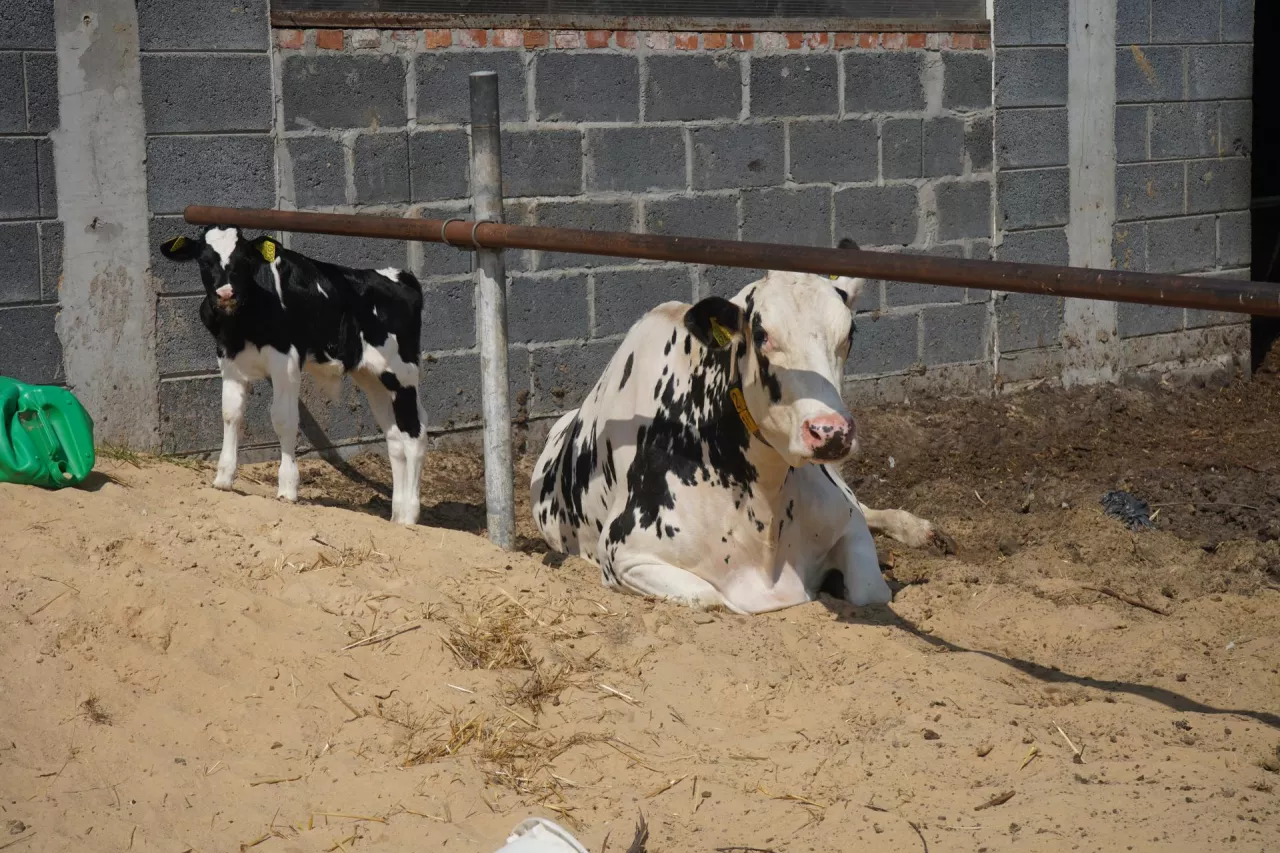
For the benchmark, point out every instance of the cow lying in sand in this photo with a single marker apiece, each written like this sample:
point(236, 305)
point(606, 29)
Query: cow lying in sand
point(701, 466)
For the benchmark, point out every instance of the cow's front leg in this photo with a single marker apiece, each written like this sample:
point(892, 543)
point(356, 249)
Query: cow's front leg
point(286, 383)
point(854, 555)
point(235, 397)
point(911, 530)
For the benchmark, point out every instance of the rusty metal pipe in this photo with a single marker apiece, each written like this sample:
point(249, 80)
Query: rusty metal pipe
point(1213, 294)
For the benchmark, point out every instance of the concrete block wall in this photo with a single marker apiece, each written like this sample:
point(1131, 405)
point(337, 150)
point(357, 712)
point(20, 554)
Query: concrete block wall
point(1030, 93)
point(30, 233)
point(208, 96)
point(787, 137)
point(1184, 84)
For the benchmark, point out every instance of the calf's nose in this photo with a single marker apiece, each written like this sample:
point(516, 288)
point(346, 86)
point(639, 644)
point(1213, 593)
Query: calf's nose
point(831, 432)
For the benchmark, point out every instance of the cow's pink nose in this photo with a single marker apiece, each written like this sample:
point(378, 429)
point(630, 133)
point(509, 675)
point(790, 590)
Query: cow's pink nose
point(830, 435)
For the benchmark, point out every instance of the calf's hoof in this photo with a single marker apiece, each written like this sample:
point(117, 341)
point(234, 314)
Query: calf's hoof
point(223, 484)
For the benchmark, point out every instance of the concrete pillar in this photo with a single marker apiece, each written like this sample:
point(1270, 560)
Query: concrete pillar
point(107, 317)
point(1090, 343)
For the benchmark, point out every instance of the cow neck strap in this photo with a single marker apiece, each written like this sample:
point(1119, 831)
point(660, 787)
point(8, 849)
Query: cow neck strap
point(744, 414)
point(724, 338)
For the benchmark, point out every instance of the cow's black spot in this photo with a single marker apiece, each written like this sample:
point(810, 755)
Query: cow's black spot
point(688, 344)
point(693, 432)
point(626, 371)
point(671, 532)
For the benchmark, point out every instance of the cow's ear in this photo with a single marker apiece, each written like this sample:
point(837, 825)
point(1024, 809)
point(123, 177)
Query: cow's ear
point(848, 287)
point(182, 248)
point(714, 321)
point(266, 248)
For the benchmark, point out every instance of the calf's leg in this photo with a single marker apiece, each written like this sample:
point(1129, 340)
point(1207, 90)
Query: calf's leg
point(286, 383)
point(380, 403)
point(854, 556)
point(910, 530)
point(235, 397)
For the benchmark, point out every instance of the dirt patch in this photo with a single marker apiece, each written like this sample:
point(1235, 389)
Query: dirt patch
point(185, 669)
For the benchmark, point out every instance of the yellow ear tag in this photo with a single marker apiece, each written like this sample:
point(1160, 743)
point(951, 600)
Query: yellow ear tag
point(719, 333)
point(268, 250)
point(178, 243)
point(833, 277)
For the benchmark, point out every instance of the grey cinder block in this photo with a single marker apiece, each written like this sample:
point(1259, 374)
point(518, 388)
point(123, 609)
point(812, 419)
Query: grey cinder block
point(1031, 77)
point(232, 171)
point(624, 296)
point(582, 87)
point(1033, 198)
point(319, 171)
point(541, 162)
point(443, 87)
point(964, 209)
point(439, 165)
point(877, 216)
point(203, 24)
point(737, 156)
point(1147, 190)
point(669, 95)
point(802, 84)
point(635, 159)
point(340, 91)
point(956, 333)
point(797, 216)
point(833, 151)
point(887, 343)
point(203, 93)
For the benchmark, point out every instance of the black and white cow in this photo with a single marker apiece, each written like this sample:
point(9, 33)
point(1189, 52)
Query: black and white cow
point(701, 466)
point(275, 313)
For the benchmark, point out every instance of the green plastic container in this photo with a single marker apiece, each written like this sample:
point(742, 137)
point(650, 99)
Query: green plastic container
point(46, 436)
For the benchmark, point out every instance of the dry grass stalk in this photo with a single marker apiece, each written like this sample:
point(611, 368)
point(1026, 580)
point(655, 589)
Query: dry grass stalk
point(379, 638)
point(274, 781)
point(1077, 752)
point(508, 755)
point(544, 684)
point(997, 800)
point(490, 639)
point(662, 789)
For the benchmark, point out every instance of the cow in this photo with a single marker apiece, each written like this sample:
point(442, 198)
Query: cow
point(701, 467)
point(274, 313)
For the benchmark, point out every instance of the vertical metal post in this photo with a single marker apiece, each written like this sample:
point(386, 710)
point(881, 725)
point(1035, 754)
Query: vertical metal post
point(491, 311)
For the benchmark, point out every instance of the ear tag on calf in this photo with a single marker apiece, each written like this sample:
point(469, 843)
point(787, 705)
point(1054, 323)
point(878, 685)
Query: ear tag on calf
point(719, 333)
point(268, 250)
point(177, 243)
point(740, 403)
point(833, 277)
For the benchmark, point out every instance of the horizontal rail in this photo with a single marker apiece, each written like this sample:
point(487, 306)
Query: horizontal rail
point(1214, 294)
point(342, 18)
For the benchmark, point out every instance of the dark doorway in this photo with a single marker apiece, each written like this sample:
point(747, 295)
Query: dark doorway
point(1266, 168)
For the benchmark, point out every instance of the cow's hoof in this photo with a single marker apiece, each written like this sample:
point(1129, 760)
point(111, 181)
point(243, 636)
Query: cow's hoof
point(943, 542)
point(222, 485)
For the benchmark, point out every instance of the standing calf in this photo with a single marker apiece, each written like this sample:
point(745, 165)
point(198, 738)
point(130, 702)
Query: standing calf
point(275, 313)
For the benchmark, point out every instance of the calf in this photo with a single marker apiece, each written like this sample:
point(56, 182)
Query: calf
point(701, 467)
point(275, 313)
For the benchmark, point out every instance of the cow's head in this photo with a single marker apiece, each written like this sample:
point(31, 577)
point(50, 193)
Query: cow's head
point(235, 271)
point(790, 334)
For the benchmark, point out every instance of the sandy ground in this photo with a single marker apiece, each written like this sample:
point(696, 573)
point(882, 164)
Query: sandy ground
point(176, 668)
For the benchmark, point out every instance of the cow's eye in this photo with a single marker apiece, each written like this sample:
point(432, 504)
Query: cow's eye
point(760, 337)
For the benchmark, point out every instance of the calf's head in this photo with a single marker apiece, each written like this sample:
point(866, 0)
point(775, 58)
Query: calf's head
point(790, 335)
point(235, 271)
